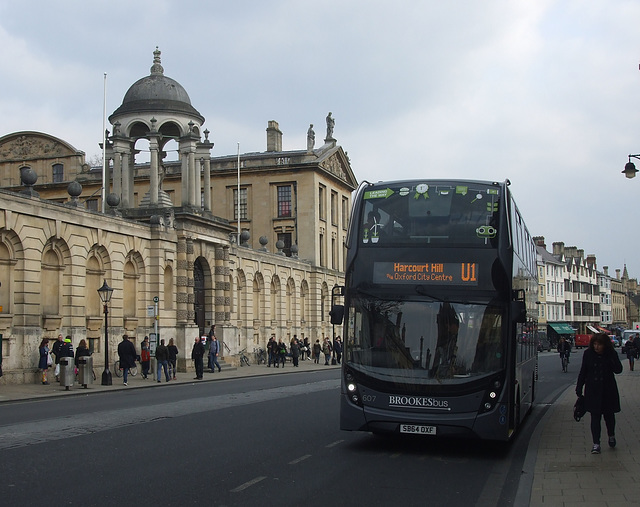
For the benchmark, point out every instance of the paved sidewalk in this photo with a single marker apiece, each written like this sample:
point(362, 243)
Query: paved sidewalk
point(14, 392)
point(567, 474)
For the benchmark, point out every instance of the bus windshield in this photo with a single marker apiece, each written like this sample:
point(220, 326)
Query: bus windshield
point(425, 341)
point(442, 213)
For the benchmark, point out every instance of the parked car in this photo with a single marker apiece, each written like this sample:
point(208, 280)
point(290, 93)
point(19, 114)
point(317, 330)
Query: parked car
point(543, 342)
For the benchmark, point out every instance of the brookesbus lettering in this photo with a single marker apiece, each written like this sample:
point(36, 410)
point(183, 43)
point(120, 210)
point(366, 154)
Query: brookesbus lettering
point(418, 402)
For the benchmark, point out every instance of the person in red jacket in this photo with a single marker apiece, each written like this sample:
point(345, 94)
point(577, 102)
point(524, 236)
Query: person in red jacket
point(145, 357)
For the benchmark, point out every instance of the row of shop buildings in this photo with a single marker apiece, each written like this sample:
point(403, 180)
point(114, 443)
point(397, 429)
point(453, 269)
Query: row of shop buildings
point(576, 298)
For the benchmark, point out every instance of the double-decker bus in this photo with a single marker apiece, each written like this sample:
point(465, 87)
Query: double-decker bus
point(439, 315)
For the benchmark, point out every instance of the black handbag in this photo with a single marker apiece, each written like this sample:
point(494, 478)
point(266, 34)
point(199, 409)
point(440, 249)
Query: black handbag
point(578, 409)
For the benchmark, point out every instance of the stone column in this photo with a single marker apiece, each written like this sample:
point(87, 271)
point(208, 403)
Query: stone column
point(117, 174)
point(191, 312)
point(153, 171)
point(226, 284)
point(185, 176)
point(219, 274)
point(182, 314)
point(207, 184)
point(125, 202)
point(194, 185)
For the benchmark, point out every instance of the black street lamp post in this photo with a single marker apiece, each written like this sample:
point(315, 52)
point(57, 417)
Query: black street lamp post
point(105, 293)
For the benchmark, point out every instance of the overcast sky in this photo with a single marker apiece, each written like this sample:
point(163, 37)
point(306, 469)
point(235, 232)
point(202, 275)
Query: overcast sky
point(542, 92)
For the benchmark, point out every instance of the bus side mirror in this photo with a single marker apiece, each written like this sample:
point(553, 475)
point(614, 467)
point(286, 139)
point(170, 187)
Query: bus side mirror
point(519, 311)
point(337, 314)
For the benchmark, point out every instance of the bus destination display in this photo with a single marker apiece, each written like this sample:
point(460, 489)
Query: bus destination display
point(439, 273)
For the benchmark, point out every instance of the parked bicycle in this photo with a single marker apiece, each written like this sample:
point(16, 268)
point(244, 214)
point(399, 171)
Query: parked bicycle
point(244, 360)
point(118, 371)
point(261, 355)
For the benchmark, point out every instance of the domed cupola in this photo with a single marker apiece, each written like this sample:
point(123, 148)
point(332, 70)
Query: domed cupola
point(157, 109)
point(156, 93)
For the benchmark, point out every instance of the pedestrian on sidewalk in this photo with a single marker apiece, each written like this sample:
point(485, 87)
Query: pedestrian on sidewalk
point(197, 354)
point(282, 352)
point(631, 350)
point(66, 349)
point(162, 358)
point(55, 350)
point(145, 357)
point(127, 356)
point(81, 351)
point(326, 350)
point(600, 363)
point(338, 349)
point(295, 350)
point(45, 360)
point(270, 351)
point(214, 350)
point(173, 358)
point(317, 348)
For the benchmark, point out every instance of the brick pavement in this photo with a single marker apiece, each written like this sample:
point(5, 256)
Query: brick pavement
point(567, 474)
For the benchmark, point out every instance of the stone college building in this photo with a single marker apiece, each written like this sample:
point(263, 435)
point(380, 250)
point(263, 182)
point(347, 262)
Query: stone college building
point(165, 235)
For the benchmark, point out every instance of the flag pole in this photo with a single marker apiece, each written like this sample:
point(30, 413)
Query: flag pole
point(238, 240)
point(104, 146)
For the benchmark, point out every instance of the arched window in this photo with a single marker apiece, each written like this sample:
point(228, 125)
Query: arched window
point(51, 282)
point(130, 289)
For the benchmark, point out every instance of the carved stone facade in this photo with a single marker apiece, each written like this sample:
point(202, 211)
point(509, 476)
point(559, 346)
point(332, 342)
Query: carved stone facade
point(169, 232)
point(53, 258)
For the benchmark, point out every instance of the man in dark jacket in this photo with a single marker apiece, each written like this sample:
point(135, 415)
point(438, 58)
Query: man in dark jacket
point(55, 350)
point(162, 358)
point(214, 351)
point(197, 354)
point(127, 355)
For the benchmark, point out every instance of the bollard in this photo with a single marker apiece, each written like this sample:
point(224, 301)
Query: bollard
point(85, 370)
point(67, 372)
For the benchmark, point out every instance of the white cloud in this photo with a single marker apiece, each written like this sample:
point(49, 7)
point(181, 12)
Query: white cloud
point(544, 93)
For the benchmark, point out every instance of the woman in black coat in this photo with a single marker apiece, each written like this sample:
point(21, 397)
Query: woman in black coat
point(599, 364)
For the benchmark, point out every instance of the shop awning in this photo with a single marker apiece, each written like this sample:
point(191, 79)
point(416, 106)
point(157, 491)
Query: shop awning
point(561, 328)
point(602, 330)
point(592, 329)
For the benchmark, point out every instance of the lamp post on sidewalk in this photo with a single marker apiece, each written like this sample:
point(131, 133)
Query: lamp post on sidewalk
point(105, 292)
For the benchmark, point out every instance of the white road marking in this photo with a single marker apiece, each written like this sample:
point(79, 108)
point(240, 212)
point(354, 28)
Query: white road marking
point(298, 460)
point(248, 484)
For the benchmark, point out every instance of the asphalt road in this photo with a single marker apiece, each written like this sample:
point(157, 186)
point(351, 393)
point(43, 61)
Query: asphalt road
point(255, 441)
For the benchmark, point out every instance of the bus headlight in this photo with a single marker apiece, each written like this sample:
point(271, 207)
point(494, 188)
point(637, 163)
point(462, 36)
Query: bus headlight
point(352, 388)
point(491, 395)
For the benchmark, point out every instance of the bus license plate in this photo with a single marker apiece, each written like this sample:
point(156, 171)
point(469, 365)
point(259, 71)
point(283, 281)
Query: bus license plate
point(417, 430)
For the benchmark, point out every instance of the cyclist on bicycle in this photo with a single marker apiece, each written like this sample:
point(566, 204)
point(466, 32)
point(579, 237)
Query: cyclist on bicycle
point(564, 349)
